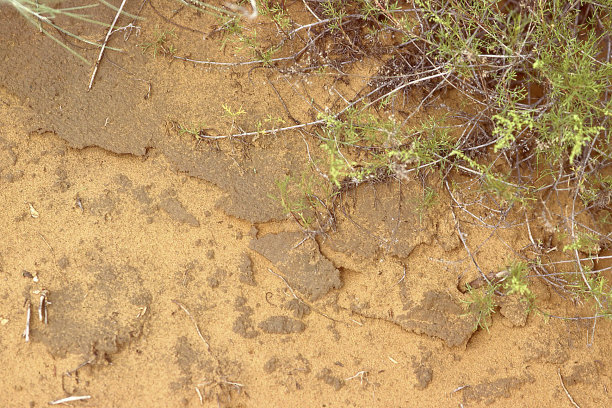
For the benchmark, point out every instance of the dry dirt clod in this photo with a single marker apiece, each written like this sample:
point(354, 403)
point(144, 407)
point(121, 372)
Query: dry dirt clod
point(305, 268)
point(281, 325)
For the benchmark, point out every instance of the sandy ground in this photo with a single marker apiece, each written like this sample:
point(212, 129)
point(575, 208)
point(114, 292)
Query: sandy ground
point(173, 278)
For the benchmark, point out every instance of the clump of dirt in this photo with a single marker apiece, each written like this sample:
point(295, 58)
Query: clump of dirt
point(175, 209)
point(240, 177)
point(243, 325)
point(391, 217)
point(515, 310)
point(105, 287)
point(281, 325)
point(299, 308)
point(491, 391)
point(326, 375)
point(441, 316)
point(300, 261)
point(246, 270)
point(422, 370)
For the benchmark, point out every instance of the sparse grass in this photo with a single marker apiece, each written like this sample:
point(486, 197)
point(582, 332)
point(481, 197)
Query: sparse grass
point(207, 8)
point(275, 11)
point(161, 43)
point(428, 200)
point(597, 290)
point(584, 242)
point(516, 281)
point(481, 305)
point(193, 130)
point(41, 14)
point(540, 76)
point(529, 124)
point(301, 199)
point(198, 131)
point(241, 39)
point(233, 115)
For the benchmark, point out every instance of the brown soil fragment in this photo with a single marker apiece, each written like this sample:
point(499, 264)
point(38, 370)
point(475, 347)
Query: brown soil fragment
point(175, 209)
point(299, 308)
point(300, 261)
point(217, 278)
point(72, 329)
point(424, 375)
point(281, 325)
point(245, 270)
point(63, 105)
point(326, 375)
point(422, 370)
point(243, 324)
point(547, 349)
point(441, 316)
point(588, 372)
point(249, 181)
point(390, 217)
point(271, 365)
point(491, 391)
point(190, 360)
point(514, 309)
point(8, 157)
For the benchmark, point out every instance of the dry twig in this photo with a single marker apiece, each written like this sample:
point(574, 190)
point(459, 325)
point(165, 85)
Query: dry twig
point(70, 399)
point(26, 332)
point(462, 238)
point(42, 306)
point(110, 30)
point(194, 323)
point(566, 391)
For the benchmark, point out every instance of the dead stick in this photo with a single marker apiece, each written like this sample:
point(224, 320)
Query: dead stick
point(566, 391)
point(42, 306)
point(199, 395)
point(462, 236)
point(194, 323)
point(110, 29)
point(70, 399)
point(26, 332)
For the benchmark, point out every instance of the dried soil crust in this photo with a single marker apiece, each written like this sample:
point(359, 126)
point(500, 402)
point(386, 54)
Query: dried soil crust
point(390, 218)
point(154, 220)
point(248, 180)
point(124, 114)
point(300, 261)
